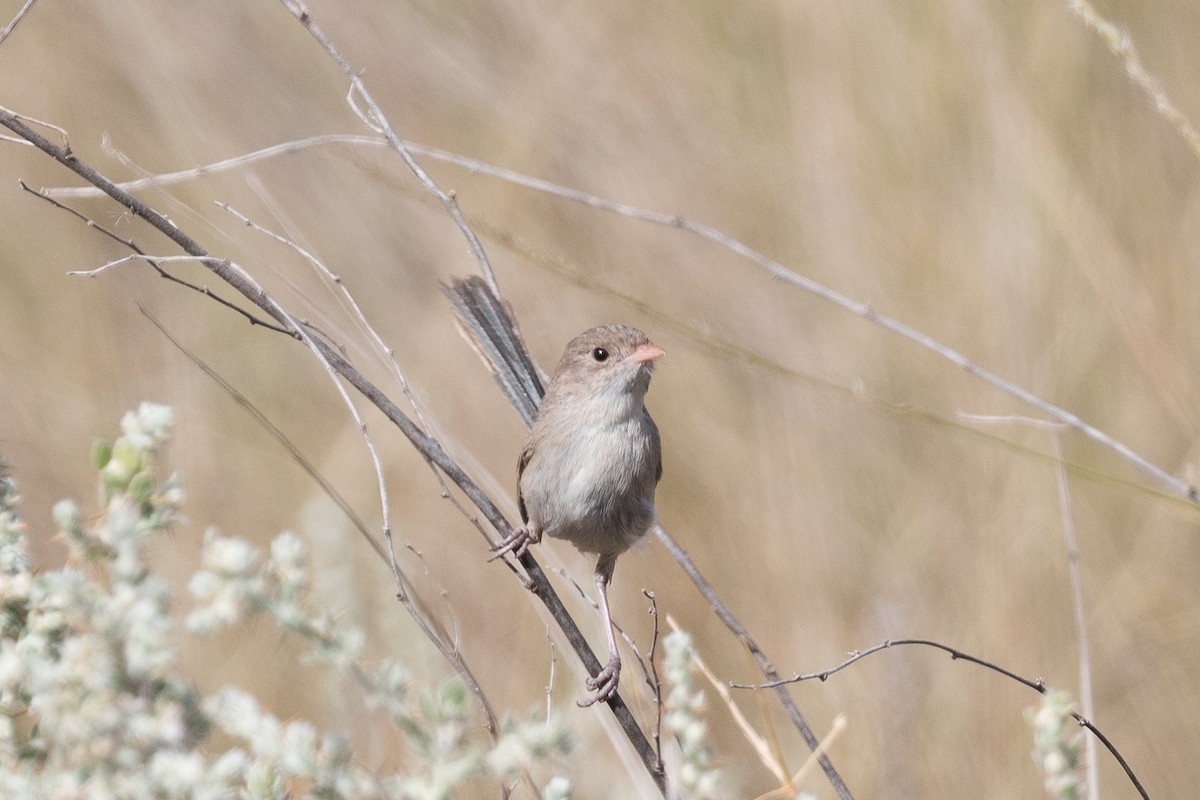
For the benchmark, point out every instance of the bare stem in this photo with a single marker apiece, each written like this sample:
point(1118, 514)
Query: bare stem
point(1037, 685)
point(20, 15)
point(375, 119)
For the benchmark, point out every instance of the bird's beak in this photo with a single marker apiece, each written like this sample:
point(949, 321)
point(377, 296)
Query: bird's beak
point(646, 352)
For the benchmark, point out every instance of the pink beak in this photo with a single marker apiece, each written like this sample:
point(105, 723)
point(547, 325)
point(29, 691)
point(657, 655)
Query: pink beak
point(646, 352)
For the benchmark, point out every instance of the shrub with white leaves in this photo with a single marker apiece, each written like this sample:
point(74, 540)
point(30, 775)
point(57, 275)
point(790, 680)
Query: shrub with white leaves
point(92, 704)
point(684, 705)
point(1057, 745)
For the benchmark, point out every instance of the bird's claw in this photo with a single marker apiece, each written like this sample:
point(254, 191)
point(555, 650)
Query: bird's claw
point(516, 543)
point(604, 684)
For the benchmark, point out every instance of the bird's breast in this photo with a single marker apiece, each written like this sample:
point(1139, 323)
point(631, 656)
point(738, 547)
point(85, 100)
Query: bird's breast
point(600, 493)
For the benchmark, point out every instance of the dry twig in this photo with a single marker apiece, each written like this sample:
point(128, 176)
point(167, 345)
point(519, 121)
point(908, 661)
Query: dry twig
point(1037, 685)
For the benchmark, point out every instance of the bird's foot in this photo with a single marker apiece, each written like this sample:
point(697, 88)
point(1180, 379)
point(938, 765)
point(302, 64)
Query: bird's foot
point(516, 543)
point(605, 683)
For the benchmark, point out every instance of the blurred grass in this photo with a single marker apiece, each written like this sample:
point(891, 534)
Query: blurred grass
point(984, 172)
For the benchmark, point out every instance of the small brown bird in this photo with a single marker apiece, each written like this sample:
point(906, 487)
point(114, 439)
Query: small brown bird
point(589, 469)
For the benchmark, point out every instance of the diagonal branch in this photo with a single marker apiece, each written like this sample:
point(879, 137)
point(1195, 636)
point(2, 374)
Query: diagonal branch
point(153, 262)
point(20, 15)
point(375, 119)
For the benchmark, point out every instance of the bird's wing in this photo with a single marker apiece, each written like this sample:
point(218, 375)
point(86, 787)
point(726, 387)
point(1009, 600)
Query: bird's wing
point(526, 454)
point(656, 445)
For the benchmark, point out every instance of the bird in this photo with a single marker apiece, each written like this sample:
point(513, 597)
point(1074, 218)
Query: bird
point(589, 469)
point(590, 466)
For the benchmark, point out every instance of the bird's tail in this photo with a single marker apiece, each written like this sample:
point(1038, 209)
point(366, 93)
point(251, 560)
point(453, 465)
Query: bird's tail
point(487, 323)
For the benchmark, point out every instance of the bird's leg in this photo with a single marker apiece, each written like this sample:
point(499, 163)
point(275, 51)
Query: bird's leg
point(516, 543)
point(605, 683)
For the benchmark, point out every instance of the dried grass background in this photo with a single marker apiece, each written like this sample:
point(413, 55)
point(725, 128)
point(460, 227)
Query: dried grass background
point(984, 172)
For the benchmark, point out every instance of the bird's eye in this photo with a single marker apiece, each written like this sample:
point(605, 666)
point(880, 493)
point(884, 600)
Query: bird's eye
point(600, 354)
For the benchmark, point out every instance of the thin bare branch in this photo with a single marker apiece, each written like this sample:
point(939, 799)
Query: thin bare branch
point(550, 677)
point(1038, 685)
point(116, 262)
point(7, 29)
point(23, 118)
point(1121, 45)
point(45, 194)
point(375, 119)
point(655, 682)
point(149, 260)
point(226, 165)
